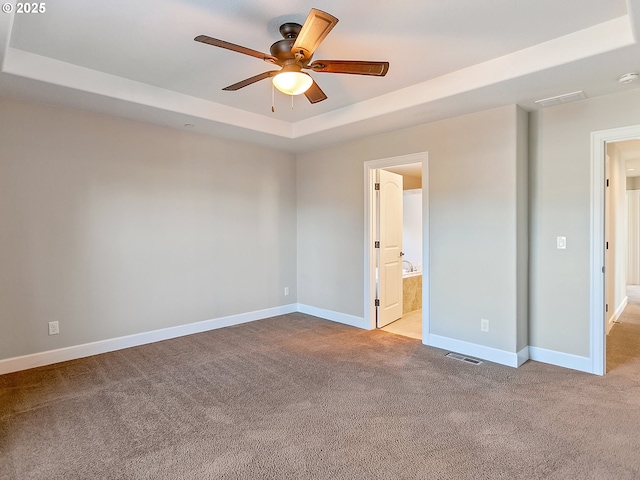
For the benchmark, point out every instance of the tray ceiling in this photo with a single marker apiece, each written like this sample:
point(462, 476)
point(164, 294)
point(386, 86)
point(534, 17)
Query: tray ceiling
point(138, 60)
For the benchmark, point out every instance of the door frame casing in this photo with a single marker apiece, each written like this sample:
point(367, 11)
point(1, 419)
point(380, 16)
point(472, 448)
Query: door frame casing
point(597, 292)
point(370, 168)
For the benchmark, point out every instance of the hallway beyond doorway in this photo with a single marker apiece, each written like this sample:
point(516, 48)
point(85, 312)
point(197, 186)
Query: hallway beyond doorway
point(623, 342)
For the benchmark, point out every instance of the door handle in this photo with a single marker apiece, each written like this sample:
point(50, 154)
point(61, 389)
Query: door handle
point(402, 254)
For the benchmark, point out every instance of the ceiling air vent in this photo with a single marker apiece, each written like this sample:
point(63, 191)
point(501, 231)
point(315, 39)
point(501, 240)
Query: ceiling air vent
point(560, 99)
point(462, 358)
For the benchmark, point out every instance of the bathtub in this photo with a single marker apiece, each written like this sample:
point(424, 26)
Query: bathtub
point(407, 274)
point(411, 291)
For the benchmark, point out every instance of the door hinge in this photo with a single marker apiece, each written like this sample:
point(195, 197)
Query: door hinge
point(607, 182)
point(606, 307)
point(376, 244)
point(377, 186)
point(377, 302)
point(607, 247)
point(602, 269)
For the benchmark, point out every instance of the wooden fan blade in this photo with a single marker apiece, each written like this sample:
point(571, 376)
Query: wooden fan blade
point(235, 48)
point(316, 27)
point(353, 67)
point(315, 94)
point(249, 81)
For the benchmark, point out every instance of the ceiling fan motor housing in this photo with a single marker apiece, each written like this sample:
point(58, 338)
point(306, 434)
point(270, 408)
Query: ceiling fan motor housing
point(282, 48)
point(290, 30)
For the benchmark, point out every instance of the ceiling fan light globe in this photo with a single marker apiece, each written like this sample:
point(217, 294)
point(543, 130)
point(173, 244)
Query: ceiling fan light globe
point(292, 83)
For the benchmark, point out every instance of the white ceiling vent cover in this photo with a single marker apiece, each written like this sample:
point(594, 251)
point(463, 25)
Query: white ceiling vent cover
point(462, 358)
point(560, 99)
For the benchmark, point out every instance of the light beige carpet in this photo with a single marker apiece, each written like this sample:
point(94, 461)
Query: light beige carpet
point(296, 397)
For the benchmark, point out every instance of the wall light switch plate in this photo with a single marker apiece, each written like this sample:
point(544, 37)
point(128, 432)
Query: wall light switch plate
point(562, 243)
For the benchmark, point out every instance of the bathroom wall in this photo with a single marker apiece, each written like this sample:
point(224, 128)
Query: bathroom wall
point(409, 182)
point(412, 227)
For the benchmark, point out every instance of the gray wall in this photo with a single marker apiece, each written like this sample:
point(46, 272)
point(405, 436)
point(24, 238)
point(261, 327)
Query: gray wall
point(475, 169)
point(633, 183)
point(522, 227)
point(114, 227)
point(560, 169)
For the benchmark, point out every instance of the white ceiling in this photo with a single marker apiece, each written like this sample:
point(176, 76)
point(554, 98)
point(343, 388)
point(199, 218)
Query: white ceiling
point(138, 60)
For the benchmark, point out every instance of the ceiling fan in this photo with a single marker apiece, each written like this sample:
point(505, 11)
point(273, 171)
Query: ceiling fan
point(294, 54)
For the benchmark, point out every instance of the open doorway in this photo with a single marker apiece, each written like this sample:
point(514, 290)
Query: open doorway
point(622, 252)
point(396, 232)
point(608, 278)
point(408, 321)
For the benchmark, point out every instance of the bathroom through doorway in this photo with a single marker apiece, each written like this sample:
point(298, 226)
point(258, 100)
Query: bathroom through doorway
point(396, 214)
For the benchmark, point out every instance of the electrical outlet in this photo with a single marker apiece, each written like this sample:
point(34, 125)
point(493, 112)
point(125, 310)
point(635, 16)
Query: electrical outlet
point(54, 328)
point(484, 325)
point(286, 291)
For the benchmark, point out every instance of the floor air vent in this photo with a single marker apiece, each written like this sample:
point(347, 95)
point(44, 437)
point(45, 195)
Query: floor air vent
point(462, 358)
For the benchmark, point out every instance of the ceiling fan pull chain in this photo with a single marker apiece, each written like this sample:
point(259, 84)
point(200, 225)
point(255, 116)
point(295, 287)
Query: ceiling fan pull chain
point(291, 102)
point(273, 98)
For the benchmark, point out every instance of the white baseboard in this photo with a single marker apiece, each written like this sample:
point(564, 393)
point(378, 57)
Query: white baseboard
point(523, 355)
point(560, 359)
point(502, 357)
point(616, 315)
point(510, 359)
point(345, 318)
point(103, 346)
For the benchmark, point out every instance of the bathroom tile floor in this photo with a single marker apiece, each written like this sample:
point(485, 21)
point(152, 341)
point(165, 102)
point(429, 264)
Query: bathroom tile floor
point(409, 325)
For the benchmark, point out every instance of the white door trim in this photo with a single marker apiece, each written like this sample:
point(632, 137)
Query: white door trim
point(369, 235)
point(597, 315)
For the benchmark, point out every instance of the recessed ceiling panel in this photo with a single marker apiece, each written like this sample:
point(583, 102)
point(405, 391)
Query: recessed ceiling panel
point(151, 41)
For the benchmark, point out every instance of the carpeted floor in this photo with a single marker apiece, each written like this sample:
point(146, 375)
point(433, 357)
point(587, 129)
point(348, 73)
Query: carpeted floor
point(297, 397)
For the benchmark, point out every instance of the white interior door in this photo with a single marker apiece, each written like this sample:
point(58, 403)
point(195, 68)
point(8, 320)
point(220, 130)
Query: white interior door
point(390, 251)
